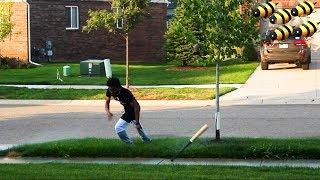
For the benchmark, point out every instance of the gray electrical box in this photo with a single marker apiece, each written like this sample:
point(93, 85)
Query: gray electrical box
point(92, 67)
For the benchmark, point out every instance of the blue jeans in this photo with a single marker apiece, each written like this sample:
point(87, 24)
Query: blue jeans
point(121, 127)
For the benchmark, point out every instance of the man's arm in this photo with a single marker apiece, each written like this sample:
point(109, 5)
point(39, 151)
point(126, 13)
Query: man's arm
point(136, 108)
point(107, 107)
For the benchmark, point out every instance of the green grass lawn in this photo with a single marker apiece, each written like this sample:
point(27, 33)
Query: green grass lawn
point(141, 74)
point(146, 94)
point(98, 171)
point(233, 148)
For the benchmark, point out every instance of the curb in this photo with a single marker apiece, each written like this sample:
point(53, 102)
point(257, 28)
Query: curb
point(155, 161)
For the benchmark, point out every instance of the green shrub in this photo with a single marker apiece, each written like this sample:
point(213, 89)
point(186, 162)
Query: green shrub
point(179, 44)
point(218, 33)
point(250, 53)
point(13, 63)
point(186, 37)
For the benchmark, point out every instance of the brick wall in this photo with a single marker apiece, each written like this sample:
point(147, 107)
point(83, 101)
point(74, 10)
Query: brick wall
point(16, 44)
point(151, 31)
point(49, 19)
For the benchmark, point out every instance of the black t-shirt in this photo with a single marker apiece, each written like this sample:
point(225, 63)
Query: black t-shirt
point(124, 97)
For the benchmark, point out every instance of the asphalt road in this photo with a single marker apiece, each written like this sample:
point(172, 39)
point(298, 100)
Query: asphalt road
point(36, 123)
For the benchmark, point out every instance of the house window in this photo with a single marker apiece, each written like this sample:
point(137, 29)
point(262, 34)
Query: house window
point(119, 22)
point(73, 17)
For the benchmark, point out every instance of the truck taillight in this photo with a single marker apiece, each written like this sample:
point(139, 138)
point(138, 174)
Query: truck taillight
point(300, 42)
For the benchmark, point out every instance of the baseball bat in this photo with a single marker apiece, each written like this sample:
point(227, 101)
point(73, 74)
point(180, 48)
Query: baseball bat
point(197, 134)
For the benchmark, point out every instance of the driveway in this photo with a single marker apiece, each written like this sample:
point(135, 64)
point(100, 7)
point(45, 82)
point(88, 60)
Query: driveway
point(282, 84)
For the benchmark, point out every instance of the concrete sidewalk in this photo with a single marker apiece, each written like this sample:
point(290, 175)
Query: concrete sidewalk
point(155, 161)
point(104, 87)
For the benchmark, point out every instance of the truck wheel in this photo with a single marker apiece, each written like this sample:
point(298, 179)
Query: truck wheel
point(264, 65)
point(305, 66)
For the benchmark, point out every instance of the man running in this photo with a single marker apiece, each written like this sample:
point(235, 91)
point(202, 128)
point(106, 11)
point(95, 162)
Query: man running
point(131, 110)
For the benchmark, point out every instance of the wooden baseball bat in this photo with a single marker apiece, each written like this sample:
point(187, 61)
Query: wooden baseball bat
point(197, 134)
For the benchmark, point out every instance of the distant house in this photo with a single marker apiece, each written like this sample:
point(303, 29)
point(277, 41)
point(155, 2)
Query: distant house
point(41, 25)
point(172, 5)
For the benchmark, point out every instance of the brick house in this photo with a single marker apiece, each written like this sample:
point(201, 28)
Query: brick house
point(60, 22)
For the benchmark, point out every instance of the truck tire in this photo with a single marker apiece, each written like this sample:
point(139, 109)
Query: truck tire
point(305, 66)
point(264, 65)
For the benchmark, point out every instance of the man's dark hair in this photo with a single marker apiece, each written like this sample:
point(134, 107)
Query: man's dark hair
point(113, 82)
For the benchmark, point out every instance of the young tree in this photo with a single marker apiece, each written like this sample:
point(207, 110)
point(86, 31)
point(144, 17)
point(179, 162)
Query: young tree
point(125, 16)
point(229, 28)
point(5, 19)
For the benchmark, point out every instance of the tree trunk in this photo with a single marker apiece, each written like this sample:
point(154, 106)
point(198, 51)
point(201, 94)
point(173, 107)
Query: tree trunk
point(127, 60)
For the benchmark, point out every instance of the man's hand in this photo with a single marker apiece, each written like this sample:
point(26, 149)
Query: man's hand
point(138, 126)
point(109, 115)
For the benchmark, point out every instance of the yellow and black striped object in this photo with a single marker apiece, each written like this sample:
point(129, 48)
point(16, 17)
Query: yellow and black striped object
point(282, 32)
point(282, 16)
point(265, 10)
point(303, 9)
point(307, 29)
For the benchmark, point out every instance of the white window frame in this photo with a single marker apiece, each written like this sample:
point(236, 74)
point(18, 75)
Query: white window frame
point(71, 20)
point(120, 24)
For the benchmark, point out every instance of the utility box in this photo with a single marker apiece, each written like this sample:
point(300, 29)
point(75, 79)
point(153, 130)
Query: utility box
point(107, 68)
point(66, 70)
point(92, 67)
